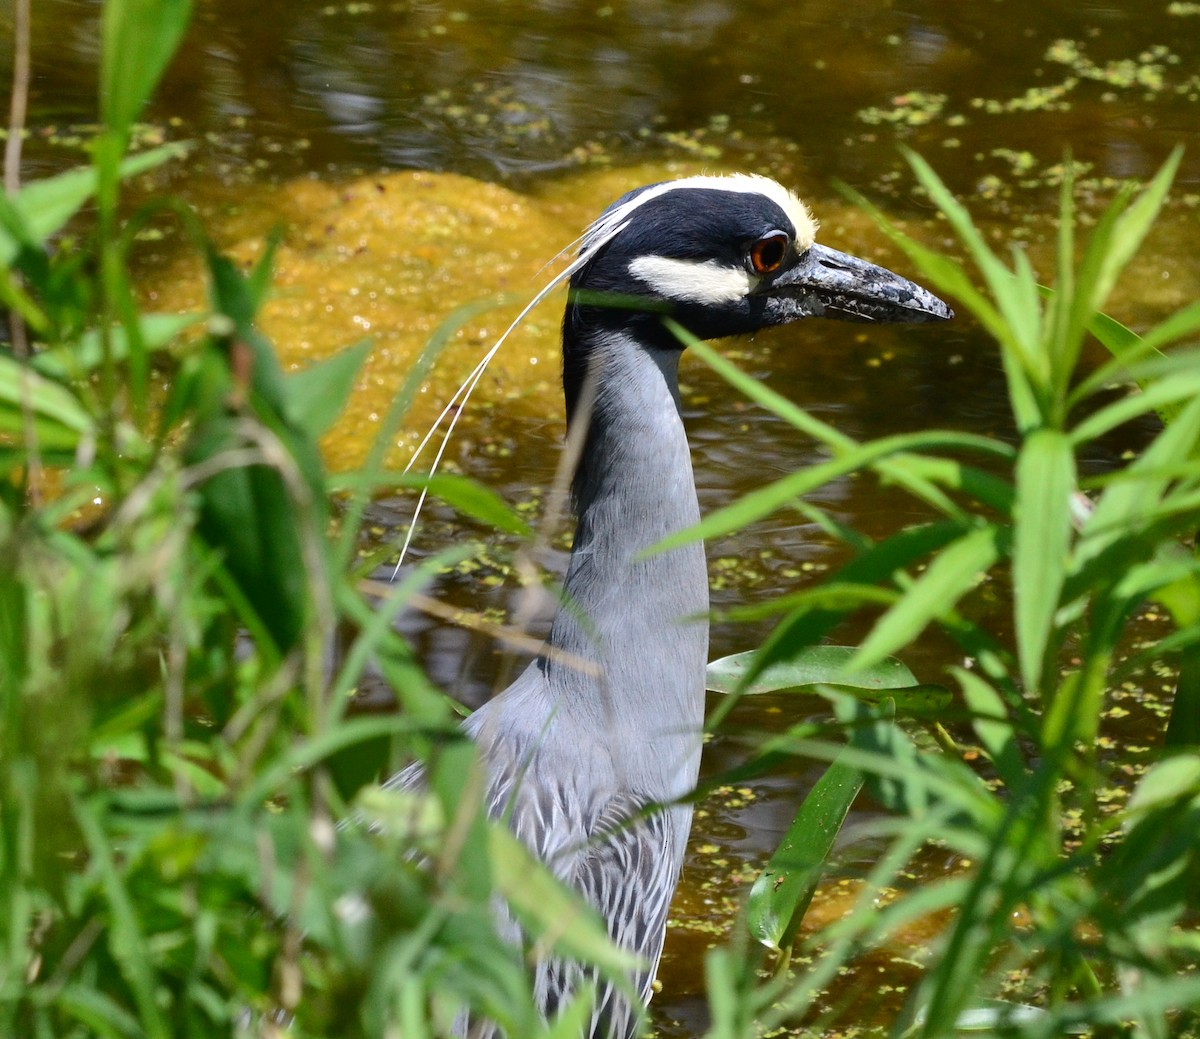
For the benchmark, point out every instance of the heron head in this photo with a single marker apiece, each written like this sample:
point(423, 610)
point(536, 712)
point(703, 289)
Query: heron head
point(730, 255)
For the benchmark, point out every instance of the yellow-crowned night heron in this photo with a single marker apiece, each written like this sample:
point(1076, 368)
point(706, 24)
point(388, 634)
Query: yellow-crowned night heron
point(574, 760)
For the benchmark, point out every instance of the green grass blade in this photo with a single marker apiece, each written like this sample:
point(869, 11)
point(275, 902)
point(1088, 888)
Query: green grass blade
point(766, 500)
point(43, 206)
point(989, 718)
point(98, 1012)
point(1045, 483)
point(1003, 284)
point(129, 946)
point(783, 891)
point(470, 497)
point(138, 39)
point(756, 391)
point(1184, 386)
point(316, 396)
point(1129, 351)
point(61, 421)
point(951, 574)
point(1116, 248)
point(947, 276)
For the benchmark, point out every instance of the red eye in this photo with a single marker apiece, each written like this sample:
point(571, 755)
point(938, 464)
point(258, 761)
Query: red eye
point(768, 253)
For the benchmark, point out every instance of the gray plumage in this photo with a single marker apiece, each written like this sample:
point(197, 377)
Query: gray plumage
point(577, 763)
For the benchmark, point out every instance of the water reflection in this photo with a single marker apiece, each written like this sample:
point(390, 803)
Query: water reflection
point(520, 87)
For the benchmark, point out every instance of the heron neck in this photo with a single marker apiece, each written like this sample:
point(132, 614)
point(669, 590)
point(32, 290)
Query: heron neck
point(641, 619)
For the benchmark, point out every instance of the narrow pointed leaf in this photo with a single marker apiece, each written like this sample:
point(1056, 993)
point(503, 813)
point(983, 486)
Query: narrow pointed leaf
point(1163, 393)
point(1001, 282)
point(766, 500)
point(316, 396)
point(42, 207)
point(470, 497)
point(139, 39)
point(1133, 497)
point(1183, 727)
point(811, 666)
point(952, 573)
point(1130, 230)
point(157, 332)
point(1045, 483)
point(784, 889)
point(990, 721)
point(129, 944)
point(60, 420)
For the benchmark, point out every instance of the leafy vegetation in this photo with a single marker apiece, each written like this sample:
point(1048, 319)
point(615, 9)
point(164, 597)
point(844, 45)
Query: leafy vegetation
point(176, 748)
point(1108, 900)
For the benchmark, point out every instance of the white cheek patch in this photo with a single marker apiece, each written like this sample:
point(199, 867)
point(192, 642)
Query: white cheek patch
point(693, 281)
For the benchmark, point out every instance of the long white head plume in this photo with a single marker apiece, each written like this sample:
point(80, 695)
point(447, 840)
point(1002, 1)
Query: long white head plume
point(602, 231)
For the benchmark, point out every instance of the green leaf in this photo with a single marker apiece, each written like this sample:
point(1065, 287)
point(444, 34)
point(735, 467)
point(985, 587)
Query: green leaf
point(1112, 335)
point(470, 497)
point(997, 1016)
point(820, 670)
point(1134, 498)
point(1163, 393)
point(766, 500)
point(76, 360)
point(893, 462)
point(757, 391)
point(139, 38)
point(1041, 542)
point(43, 206)
point(1167, 783)
point(783, 891)
point(810, 666)
point(456, 776)
point(249, 515)
point(1183, 727)
point(317, 395)
point(902, 778)
point(128, 943)
point(1131, 352)
point(1019, 328)
point(98, 1012)
point(993, 727)
point(951, 574)
point(1115, 250)
point(60, 420)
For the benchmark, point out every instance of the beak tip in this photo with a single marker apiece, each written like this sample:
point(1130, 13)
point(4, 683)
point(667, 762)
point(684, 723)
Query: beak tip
point(936, 310)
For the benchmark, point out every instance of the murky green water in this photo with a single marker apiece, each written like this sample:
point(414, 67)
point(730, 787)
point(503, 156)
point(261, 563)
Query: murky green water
point(290, 101)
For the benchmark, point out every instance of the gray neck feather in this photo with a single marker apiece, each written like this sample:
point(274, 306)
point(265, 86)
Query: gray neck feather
point(641, 619)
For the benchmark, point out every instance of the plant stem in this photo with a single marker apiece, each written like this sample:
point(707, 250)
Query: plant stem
point(18, 334)
point(19, 103)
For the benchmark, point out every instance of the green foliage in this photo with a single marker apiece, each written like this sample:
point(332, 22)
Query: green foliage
point(785, 888)
point(176, 742)
point(1108, 899)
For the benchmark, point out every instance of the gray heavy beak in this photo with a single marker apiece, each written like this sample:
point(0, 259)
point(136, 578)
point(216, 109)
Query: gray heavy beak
point(837, 285)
